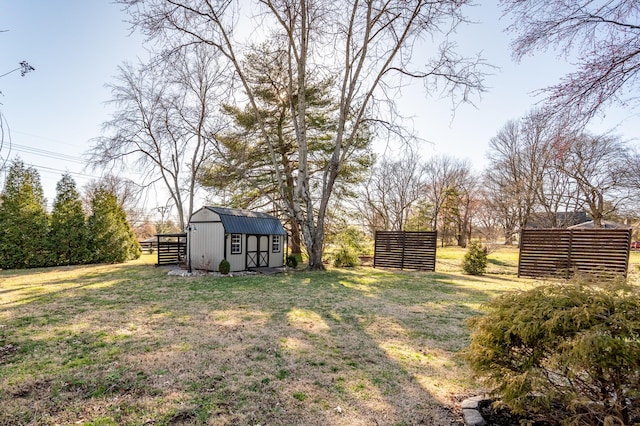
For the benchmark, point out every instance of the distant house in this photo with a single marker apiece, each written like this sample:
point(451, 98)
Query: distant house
point(606, 224)
point(247, 239)
point(557, 220)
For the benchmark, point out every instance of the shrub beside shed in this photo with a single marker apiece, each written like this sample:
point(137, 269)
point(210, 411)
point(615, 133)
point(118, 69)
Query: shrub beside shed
point(247, 239)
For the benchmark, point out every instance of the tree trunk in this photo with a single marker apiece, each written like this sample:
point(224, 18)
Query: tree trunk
point(462, 231)
point(462, 236)
point(296, 239)
point(508, 238)
point(315, 256)
point(596, 207)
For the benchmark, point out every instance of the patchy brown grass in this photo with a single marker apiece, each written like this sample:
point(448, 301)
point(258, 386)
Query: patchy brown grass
point(128, 344)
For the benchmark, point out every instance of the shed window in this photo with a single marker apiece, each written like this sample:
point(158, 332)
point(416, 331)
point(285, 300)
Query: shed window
point(236, 243)
point(276, 244)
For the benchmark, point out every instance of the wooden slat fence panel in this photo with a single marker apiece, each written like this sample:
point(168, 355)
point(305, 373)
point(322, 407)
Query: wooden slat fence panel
point(171, 251)
point(405, 250)
point(560, 252)
point(388, 251)
point(148, 245)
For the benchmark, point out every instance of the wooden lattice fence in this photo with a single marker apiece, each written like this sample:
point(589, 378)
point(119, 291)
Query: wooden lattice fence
point(405, 250)
point(562, 252)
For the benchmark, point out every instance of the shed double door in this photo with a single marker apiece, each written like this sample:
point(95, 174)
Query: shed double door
point(257, 251)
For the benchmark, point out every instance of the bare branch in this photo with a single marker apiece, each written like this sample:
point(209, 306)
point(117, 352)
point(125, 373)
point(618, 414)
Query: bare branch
point(603, 35)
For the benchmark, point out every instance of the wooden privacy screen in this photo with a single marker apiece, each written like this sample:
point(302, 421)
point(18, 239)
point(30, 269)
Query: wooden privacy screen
point(560, 252)
point(172, 248)
point(405, 249)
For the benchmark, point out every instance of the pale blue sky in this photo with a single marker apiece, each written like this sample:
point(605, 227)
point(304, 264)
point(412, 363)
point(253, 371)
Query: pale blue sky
point(77, 45)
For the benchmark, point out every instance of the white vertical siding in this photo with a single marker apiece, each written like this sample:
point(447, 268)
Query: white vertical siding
point(207, 245)
point(237, 261)
point(276, 258)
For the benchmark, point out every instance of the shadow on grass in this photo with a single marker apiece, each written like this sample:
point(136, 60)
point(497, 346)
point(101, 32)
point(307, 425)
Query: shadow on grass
point(50, 283)
point(343, 347)
point(498, 262)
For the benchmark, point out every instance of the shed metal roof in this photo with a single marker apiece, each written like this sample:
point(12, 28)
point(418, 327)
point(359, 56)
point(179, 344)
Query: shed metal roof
point(238, 221)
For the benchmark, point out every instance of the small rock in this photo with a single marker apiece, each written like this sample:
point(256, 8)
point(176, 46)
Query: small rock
point(473, 418)
point(472, 403)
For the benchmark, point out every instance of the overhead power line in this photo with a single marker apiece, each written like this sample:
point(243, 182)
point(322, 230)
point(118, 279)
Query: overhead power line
point(52, 169)
point(44, 153)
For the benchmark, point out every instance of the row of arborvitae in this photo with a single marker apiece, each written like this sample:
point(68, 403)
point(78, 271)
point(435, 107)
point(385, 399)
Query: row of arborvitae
point(563, 353)
point(30, 237)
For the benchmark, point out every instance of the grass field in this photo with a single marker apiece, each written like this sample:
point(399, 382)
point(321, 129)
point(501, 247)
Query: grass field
point(129, 344)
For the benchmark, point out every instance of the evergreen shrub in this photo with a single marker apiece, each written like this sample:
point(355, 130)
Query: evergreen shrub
point(350, 243)
point(111, 239)
point(24, 222)
point(292, 261)
point(564, 353)
point(475, 259)
point(68, 234)
point(345, 256)
point(224, 267)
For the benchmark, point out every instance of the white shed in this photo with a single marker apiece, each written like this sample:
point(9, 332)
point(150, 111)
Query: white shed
point(247, 239)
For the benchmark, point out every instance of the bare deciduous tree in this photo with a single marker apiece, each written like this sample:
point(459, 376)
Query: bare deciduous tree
point(632, 172)
point(410, 194)
point(487, 219)
point(441, 175)
point(503, 205)
point(519, 156)
point(164, 122)
point(390, 193)
point(468, 201)
point(604, 34)
point(555, 199)
point(595, 164)
point(366, 45)
point(543, 169)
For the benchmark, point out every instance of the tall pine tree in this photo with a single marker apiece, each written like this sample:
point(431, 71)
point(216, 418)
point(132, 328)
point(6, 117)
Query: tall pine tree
point(68, 239)
point(111, 238)
point(245, 166)
point(23, 219)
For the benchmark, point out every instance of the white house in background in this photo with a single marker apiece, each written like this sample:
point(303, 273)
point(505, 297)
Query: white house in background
point(247, 239)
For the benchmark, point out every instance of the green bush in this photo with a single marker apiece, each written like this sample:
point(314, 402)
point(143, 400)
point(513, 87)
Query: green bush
point(111, 239)
point(68, 234)
point(566, 353)
point(475, 259)
point(292, 261)
point(224, 267)
point(23, 219)
point(345, 256)
point(349, 244)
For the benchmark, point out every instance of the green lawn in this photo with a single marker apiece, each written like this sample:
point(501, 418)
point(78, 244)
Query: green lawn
point(128, 344)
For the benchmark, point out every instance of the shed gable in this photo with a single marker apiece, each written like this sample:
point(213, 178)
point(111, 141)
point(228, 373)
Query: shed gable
point(204, 215)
